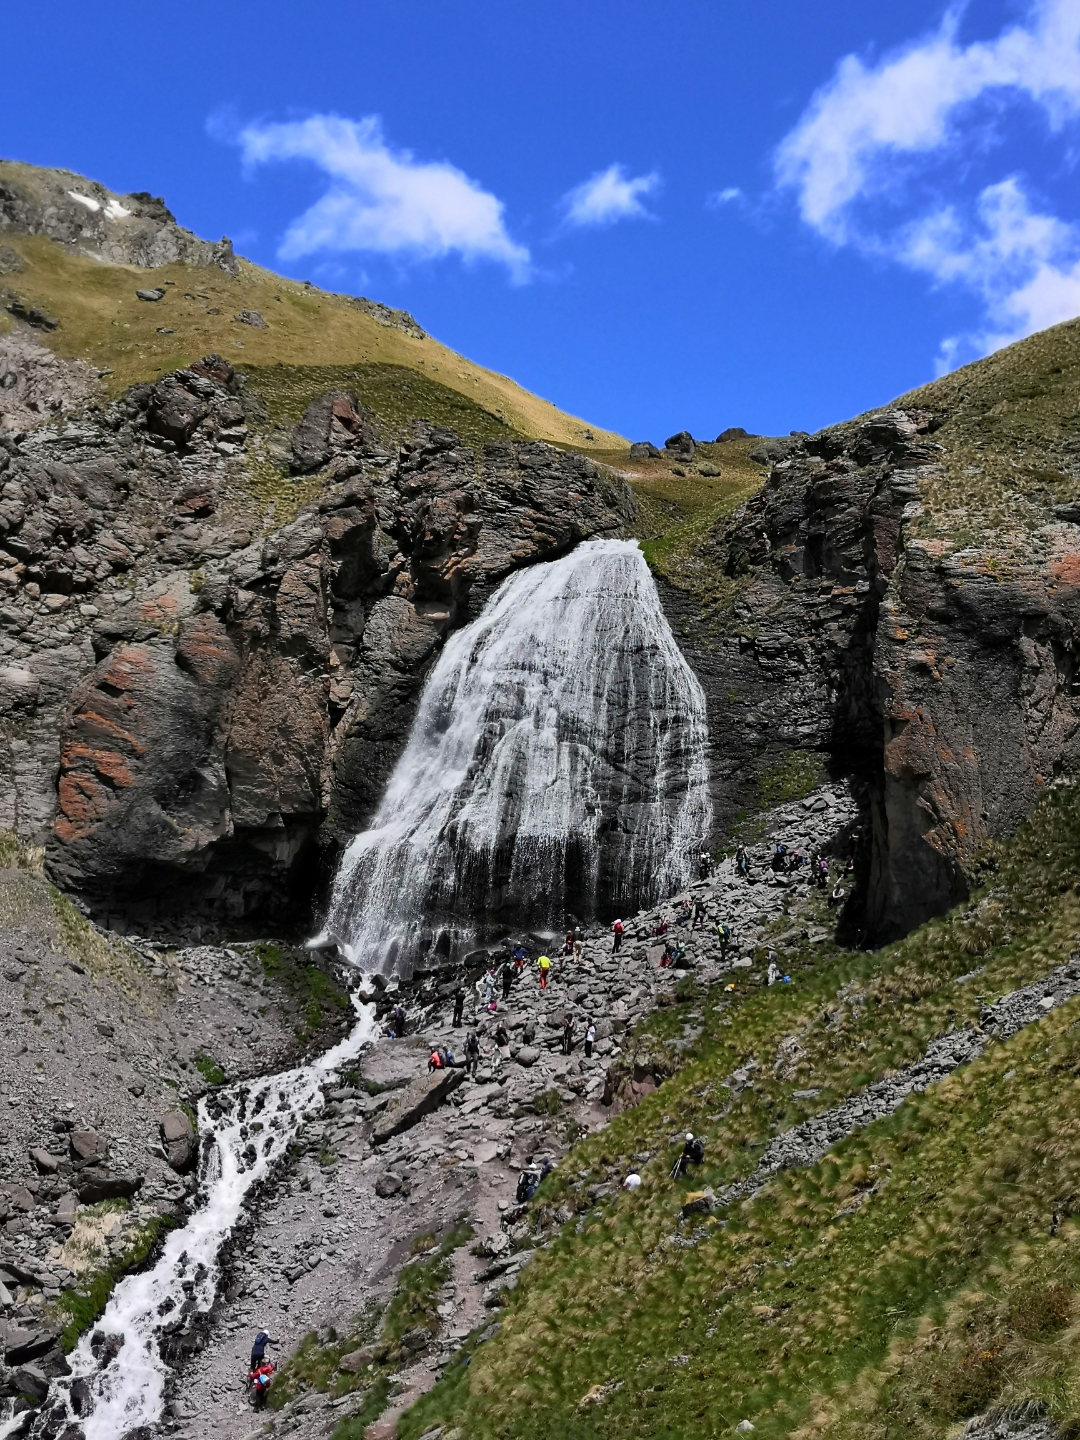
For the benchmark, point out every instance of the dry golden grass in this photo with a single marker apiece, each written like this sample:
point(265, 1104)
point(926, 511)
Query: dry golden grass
point(103, 322)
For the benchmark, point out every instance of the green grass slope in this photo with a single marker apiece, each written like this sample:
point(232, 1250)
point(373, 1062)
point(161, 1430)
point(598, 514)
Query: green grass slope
point(103, 322)
point(927, 1269)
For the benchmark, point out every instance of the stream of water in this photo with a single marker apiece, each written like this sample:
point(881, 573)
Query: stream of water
point(558, 758)
point(558, 765)
point(248, 1129)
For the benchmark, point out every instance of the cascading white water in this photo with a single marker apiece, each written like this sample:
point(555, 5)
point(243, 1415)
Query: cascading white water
point(558, 761)
point(252, 1126)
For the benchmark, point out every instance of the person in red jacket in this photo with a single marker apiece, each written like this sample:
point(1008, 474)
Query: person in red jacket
point(259, 1380)
point(617, 931)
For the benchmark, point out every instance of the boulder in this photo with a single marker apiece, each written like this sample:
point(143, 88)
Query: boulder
point(19, 1198)
point(416, 1339)
point(388, 1184)
point(680, 445)
point(734, 432)
point(416, 1100)
point(357, 1360)
point(22, 1343)
point(643, 450)
point(527, 1056)
point(178, 1136)
point(87, 1147)
point(31, 1380)
point(67, 1207)
point(698, 1202)
point(46, 1164)
point(98, 1182)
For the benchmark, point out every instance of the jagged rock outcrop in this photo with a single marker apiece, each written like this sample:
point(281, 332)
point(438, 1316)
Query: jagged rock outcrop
point(83, 215)
point(939, 674)
point(190, 695)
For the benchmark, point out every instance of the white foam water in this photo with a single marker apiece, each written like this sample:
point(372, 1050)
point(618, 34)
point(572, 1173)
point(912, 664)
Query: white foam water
point(251, 1129)
point(558, 761)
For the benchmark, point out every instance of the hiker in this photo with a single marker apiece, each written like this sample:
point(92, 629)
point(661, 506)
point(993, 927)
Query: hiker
point(681, 961)
point(836, 895)
point(683, 917)
point(668, 956)
point(435, 1060)
point(778, 858)
point(398, 1017)
point(258, 1348)
point(519, 957)
point(472, 1053)
point(259, 1380)
point(567, 1034)
point(661, 927)
point(507, 978)
point(617, 931)
point(459, 1006)
point(742, 862)
point(528, 1180)
point(485, 989)
point(579, 940)
point(590, 1040)
point(543, 964)
point(725, 936)
point(693, 1153)
point(697, 919)
point(773, 971)
point(704, 865)
point(568, 943)
point(502, 1037)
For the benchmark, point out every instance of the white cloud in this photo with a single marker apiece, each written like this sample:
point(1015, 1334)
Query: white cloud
point(609, 195)
point(1024, 265)
point(855, 155)
point(728, 196)
point(383, 200)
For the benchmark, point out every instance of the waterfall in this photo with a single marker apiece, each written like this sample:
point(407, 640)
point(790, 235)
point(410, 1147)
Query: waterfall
point(557, 766)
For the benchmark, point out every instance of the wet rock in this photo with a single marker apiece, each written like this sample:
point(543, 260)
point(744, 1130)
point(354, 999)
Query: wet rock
point(31, 1380)
point(22, 1343)
point(178, 1135)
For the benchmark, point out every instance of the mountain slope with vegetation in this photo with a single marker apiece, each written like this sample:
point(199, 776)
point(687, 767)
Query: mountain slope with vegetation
point(925, 1270)
point(216, 302)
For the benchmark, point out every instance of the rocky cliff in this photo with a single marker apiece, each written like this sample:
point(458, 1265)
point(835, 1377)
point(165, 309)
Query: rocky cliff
point(197, 699)
point(899, 604)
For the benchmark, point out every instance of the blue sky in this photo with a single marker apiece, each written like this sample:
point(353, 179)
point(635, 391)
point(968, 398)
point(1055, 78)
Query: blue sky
point(659, 215)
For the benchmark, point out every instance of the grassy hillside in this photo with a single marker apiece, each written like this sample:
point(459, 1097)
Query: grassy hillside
point(102, 321)
point(927, 1269)
point(1010, 425)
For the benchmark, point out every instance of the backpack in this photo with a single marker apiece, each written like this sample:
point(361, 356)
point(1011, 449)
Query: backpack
point(696, 1153)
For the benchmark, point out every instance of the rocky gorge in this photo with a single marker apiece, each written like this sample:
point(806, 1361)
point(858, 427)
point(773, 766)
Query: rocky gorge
point(224, 582)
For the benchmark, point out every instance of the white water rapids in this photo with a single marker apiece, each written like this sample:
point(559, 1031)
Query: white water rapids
point(557, 765)
point(254, 1123)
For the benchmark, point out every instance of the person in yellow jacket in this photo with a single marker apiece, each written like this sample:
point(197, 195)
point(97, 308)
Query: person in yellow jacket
point(544, 966)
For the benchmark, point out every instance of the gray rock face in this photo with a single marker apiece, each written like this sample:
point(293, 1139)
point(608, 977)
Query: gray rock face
point(933, 680)
point(84, 216)
point(178, 1135)
point(189, 711)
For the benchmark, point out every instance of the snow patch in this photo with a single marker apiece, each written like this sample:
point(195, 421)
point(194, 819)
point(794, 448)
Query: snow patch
point(87, 200)
point(115, 211)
